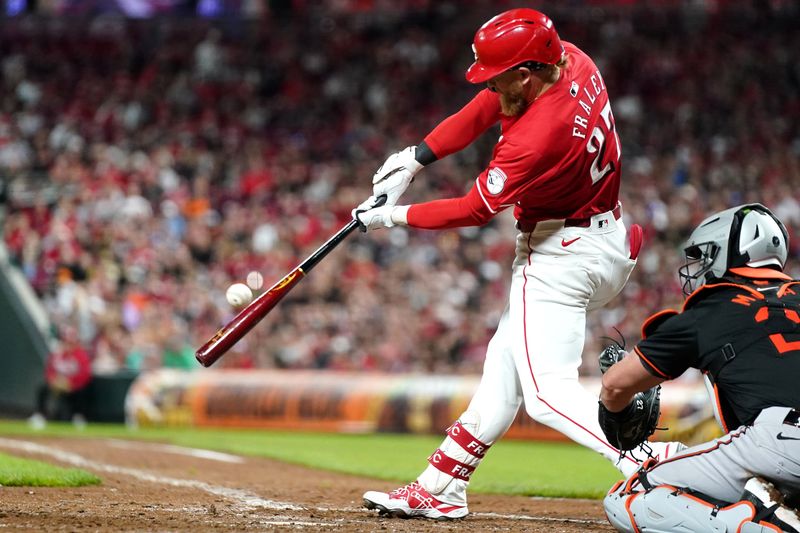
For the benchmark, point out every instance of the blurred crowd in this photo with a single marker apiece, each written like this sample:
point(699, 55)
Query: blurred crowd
point(147, 165)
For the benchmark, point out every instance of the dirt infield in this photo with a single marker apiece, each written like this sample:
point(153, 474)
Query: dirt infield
point(153, 487)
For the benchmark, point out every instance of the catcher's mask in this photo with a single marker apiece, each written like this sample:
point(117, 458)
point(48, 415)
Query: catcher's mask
point(748, 235)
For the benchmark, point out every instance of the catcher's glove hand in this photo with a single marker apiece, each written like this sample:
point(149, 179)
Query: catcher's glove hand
point(632, 426)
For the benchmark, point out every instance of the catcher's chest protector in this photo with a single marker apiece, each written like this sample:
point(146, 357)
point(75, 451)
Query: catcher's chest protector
point(748, 340)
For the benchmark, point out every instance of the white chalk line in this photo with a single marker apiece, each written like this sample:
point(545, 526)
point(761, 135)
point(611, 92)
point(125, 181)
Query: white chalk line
point(241, 497)
point(523, 517)
point(178, 450)
point(244, 498)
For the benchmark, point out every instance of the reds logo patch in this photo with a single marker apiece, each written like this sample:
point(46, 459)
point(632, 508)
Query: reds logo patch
point(495, 180)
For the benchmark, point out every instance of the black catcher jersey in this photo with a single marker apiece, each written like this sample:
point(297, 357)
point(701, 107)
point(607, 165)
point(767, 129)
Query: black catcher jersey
point(743, 334)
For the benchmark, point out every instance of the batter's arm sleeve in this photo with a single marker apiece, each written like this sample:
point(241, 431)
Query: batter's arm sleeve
point(468, 210)
point(460, 129)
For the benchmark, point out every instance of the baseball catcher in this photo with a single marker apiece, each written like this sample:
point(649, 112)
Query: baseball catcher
point(740, 325)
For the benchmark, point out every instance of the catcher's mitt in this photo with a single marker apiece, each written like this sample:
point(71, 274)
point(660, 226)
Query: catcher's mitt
point(632, 426)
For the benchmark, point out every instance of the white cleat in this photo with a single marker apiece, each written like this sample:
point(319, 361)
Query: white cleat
point(412, 501)
point(765, 492)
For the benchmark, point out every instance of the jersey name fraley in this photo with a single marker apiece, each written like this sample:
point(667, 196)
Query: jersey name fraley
point(591, 94)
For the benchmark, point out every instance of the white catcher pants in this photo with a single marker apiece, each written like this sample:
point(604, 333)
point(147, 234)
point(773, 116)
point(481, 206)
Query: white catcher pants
point(770, 448)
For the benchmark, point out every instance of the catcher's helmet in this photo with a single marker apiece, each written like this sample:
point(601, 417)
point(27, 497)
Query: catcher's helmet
point(512, 38)
point(748, 235)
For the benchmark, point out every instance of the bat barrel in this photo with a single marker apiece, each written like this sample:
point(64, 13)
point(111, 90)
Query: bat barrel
point(247, 318)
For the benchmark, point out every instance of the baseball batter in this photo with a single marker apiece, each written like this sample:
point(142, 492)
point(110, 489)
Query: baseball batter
point(741, 327)
point(557, 163)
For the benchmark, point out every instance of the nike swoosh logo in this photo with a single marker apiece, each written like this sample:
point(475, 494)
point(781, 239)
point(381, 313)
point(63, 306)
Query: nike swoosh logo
point(567, 243)
point(781, 437)
point(390, 174)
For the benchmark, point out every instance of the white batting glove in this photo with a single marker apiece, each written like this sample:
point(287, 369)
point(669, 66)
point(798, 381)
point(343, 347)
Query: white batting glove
point(385, 216)
point(396, 174)
point(366, 205)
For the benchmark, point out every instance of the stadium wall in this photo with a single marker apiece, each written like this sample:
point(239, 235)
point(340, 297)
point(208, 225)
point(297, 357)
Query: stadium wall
point(354, 402)
point(23, 341)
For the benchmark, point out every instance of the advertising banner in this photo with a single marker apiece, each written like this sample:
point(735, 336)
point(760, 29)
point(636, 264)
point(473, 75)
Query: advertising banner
point(353, 402)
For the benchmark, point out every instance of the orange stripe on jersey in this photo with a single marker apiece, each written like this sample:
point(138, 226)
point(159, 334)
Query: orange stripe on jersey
point(719, 409)
point(656, 317)
point(757, 295)
point(786, 288)
point(643, 358)
point(760, 273)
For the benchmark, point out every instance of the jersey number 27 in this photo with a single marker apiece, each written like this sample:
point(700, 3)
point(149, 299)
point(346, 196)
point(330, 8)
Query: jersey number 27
point(598, 143)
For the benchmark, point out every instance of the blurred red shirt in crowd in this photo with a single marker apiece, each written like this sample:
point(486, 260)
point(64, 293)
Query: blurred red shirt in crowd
point(69, 367)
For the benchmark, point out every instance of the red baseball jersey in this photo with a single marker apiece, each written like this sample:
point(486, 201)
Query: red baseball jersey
point(559, 159)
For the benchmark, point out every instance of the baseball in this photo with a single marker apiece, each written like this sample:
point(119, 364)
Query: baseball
point(239, 295)
point(255, 280)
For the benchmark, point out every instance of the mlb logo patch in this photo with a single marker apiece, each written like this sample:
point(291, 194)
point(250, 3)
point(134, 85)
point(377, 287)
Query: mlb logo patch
point(573, 89)
point(495, 180)
point(793, 418)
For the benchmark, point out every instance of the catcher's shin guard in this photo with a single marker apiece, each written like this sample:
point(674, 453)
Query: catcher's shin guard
point(665, 509)
point(451, 465)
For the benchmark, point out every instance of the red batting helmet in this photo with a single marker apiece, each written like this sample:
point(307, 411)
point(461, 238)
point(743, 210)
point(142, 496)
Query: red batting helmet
point(511, 38)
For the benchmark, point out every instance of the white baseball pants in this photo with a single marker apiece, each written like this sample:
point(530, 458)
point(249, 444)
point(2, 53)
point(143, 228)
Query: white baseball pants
point(533, 358)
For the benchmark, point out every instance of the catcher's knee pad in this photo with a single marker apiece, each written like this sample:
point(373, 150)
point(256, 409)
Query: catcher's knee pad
point(452, 464)
point(665, 509)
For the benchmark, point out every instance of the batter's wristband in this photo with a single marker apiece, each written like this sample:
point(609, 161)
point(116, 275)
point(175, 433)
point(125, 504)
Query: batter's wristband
point(450, 466)
point(424, 155)
point(466, 440)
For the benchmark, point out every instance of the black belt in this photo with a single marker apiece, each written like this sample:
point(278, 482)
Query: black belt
point(526, 227)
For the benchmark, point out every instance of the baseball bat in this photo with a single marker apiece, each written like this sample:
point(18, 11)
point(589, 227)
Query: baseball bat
point(256, 310)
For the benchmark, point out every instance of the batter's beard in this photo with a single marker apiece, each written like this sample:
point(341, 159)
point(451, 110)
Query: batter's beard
point(514, 103)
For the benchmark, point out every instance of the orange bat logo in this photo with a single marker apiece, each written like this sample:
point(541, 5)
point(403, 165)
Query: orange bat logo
point(287, 279)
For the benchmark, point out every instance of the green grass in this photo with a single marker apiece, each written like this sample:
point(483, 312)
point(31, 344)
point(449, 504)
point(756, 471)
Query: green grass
point(17, 472)
point(512, 467)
